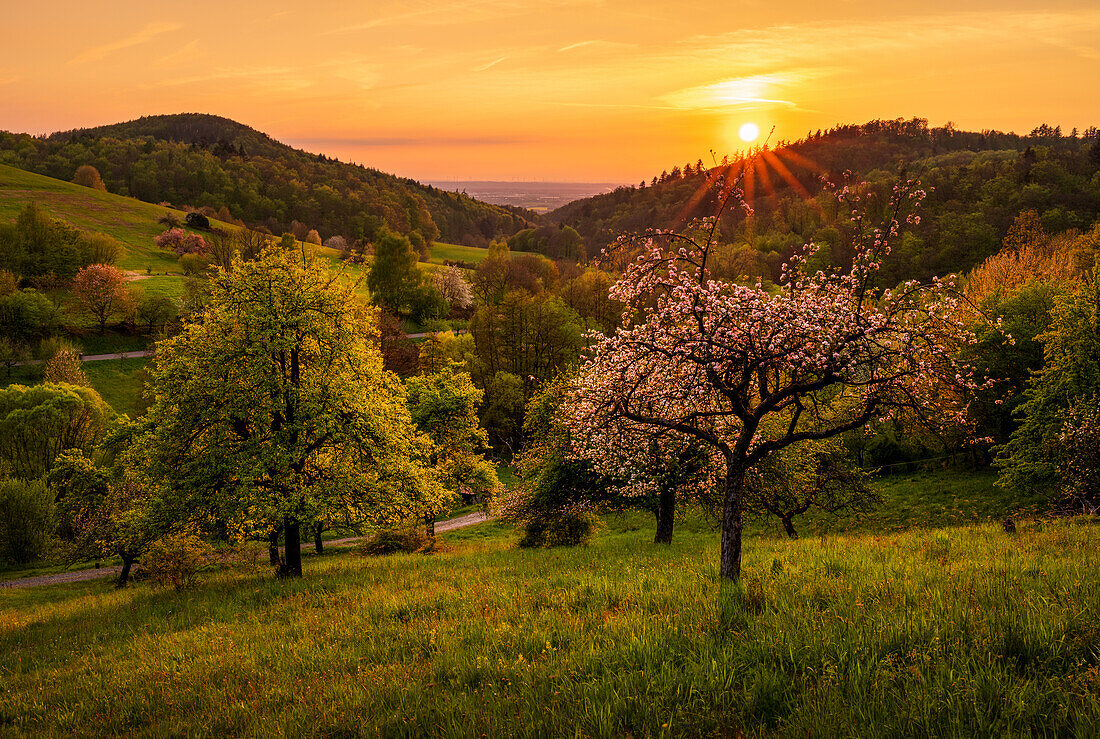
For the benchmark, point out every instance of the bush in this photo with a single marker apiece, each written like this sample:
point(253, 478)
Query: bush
point(197, 220)
point(176, 560)
point(569, 528)
point(392, 541)
point(26, 520)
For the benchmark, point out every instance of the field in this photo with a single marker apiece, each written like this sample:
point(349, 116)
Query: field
point(953, 631)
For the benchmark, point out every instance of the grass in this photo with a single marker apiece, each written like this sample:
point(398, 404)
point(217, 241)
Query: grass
point(120, 382)
point(955, 631)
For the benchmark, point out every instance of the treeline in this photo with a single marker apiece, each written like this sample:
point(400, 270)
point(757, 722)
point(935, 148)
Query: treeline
point(977, 183)
point(211, 163)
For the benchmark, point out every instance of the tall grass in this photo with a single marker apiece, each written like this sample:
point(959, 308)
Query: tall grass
point(951, 632)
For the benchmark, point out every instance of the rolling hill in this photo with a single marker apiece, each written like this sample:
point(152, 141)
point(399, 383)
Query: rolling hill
point(226, 168)
point(978, 182)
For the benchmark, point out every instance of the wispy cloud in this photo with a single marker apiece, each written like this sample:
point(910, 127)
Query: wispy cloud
point(185, 53)
point(392, 141)
point(144, 36)
point(490, 65)
point(740, 92)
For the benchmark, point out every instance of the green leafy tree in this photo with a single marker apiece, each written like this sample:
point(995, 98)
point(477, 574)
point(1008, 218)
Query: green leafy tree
point(109, 511)
point(39, 422)
point(26, 520)
point(393, 278)
point(1033, 459)
point(272, 409)
point(444, 406)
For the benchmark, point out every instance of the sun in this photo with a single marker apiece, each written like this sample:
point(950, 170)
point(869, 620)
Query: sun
point(749, 132)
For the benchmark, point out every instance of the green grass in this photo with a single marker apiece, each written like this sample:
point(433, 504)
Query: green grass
point(119, 382)
point(946, 632)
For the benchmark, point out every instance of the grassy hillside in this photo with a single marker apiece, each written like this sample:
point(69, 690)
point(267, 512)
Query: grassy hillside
point(130, 221)
point(958, 631)
point(205, 161)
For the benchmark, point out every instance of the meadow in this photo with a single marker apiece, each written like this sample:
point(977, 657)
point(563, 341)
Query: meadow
point(960, 630)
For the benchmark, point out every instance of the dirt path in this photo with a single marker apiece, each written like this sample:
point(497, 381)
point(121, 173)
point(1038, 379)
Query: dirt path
point(450, 524)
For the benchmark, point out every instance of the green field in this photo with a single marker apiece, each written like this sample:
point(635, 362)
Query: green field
point(934, 632)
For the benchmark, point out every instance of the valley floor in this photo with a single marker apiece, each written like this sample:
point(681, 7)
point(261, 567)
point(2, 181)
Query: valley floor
point(961, 630)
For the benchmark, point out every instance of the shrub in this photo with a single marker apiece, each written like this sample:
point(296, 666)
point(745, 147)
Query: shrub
point(65, 366)
point(197, 220)
point(194, 264)
point(391, 541)
point(100, 248)
point(26, 520)
point(176, 560)
point(568, 528)
point(88, 176)
point(313, 237)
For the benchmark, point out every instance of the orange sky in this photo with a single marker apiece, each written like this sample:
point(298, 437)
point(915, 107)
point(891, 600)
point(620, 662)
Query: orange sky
point(611, 90)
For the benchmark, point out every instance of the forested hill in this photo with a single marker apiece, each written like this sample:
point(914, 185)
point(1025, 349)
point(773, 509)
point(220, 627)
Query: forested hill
point(978, 183)
point(208, 162)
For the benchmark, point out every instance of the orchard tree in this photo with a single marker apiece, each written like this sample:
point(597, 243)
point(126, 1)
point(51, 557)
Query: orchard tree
point(748, 372)
point(272, 409)
point(100, 289)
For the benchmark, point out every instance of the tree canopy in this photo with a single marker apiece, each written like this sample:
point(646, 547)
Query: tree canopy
point(272, 406)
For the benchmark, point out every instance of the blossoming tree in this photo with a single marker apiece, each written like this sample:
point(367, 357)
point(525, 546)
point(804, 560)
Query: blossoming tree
point(749, 372)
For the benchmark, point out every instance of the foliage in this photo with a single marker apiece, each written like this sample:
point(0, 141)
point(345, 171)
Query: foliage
point(38, 423)
point(747, 372)
point(444, 406)
point(568, 528)
point(394, 278)
point(26, 520)
point(88, 176)
point(1033, 459)
point(804, 476)
point(110, 511)
point(1078, 454)
point(556, 242)
point(273, 407)
point(28, 315)
point(100, 248)
point(37, 245)
point(101, 292)
point(175, 560)
point(403, 540)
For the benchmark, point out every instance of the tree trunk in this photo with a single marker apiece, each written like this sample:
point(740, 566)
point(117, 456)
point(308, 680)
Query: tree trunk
point(732, 524)
point(788, 526)
point(666, 514)
point(429, 525)
point(124, 576)
point(319, 545)
point(293, 541)
point(273, 548)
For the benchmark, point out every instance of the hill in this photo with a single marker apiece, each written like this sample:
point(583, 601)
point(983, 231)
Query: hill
point(978, 183)
point(226, 168)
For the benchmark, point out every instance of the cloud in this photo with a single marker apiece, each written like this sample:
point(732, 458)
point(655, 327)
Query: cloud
point(145, 35)
point(490, 65)
point(398, 141)
point(740, 92)
point(597, 44)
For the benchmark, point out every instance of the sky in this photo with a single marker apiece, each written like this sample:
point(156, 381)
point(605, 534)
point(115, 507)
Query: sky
point(568, 90)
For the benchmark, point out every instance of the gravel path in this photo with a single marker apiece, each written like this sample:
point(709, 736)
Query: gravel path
point(80, 575)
